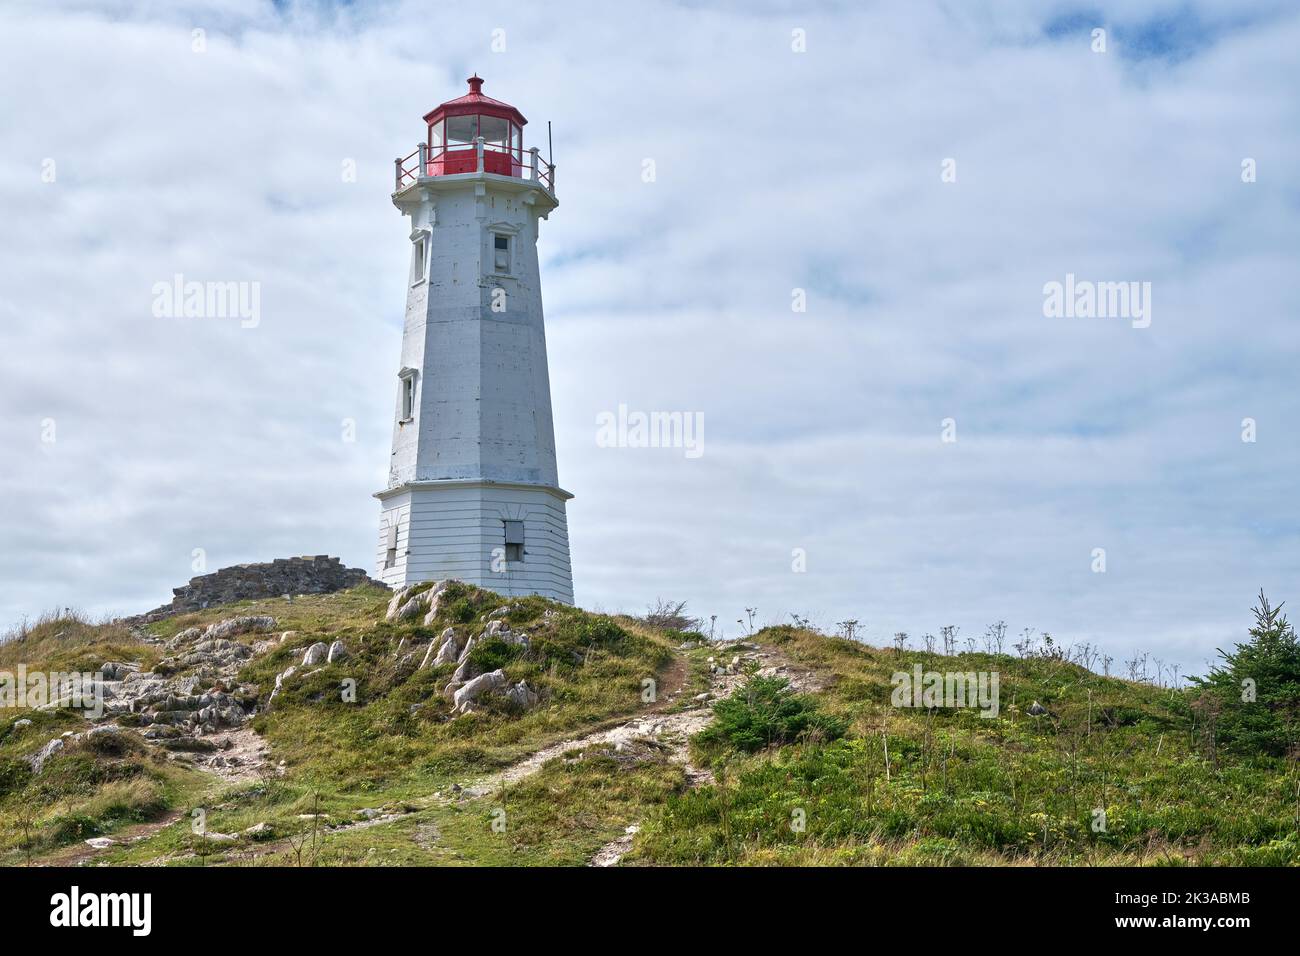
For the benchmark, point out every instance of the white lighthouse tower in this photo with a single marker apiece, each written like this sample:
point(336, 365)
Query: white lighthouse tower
point(473, 493)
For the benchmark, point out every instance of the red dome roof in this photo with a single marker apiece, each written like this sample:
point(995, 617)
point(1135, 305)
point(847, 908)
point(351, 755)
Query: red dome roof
point(475, 102)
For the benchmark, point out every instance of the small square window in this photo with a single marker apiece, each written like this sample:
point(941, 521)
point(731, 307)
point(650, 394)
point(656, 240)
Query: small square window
point(501, 253)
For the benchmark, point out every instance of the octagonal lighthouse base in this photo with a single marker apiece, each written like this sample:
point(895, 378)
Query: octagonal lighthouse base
point(509, 538)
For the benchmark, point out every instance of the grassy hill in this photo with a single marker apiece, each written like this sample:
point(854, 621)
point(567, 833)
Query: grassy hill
point(385, 773)
point(963, 789)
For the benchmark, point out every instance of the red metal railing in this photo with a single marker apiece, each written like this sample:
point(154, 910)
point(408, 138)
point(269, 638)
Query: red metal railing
point(478, 157)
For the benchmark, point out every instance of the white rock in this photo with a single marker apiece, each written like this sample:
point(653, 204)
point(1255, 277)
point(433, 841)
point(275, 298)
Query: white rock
point(410, 609)
point(280, 678)
point(101, 843)
point(404, 605)
point(461, 675)
point(443, 649)
point(37, 760)
point(522, 695)
point(338, 652)
point(434, 596)
point(398, 599)
point(516, 638)
point(472, 690)
point(115, 671)
point(449, 650)
point(429, 653)
point(20, 724)
point(464, 651)
point(315, 654)
point(239, 625)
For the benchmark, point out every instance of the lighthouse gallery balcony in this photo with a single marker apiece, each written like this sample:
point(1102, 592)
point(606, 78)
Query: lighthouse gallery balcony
point(474, 133)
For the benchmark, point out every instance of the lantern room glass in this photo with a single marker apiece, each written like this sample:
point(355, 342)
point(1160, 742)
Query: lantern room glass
point(451, 142)
point(495, 131)
point(461, 130)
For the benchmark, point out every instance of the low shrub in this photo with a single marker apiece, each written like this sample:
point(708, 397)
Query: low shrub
point(765, 712)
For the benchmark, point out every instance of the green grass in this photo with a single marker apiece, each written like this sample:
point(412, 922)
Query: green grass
point(70, 643)
point(93, 787)
point(558, 817)
point(961, 789)
point(800, 779)
point(587, 668)
point(391, 744)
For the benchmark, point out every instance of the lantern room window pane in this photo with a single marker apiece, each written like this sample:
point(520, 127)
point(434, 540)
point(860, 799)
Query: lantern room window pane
point(494, 130)
point(435, 135)
point(517, 142)
point(461, 130)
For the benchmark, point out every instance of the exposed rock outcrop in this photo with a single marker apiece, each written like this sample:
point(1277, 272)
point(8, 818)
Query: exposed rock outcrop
point(319, 574)
point(410, 600)
point(463, 701)
point(316, 654)
point(522, 696)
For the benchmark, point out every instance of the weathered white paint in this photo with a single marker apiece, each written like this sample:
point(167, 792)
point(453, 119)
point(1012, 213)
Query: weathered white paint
point(480, 447)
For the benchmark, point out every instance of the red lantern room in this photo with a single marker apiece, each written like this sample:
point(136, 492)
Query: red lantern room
point(455, 126)
point(474, 133)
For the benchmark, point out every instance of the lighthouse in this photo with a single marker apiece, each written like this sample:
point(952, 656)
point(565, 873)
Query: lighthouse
point(473, 491)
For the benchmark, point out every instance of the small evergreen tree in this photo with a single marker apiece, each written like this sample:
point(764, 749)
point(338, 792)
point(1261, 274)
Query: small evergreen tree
point(1255, 693)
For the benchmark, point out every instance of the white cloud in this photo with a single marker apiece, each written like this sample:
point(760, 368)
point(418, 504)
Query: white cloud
point(775, 170)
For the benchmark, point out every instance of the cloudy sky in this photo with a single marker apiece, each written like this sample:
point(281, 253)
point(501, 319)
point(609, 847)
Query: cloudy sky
point(133, 149)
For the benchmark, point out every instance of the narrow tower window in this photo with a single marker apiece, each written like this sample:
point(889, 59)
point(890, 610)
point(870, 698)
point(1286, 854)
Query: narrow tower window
point(408, 394)
point(501, 253)
point(514, 540)
point(418, 250)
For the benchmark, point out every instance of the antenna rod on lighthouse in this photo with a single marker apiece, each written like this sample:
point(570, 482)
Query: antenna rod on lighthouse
point(550, 152)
